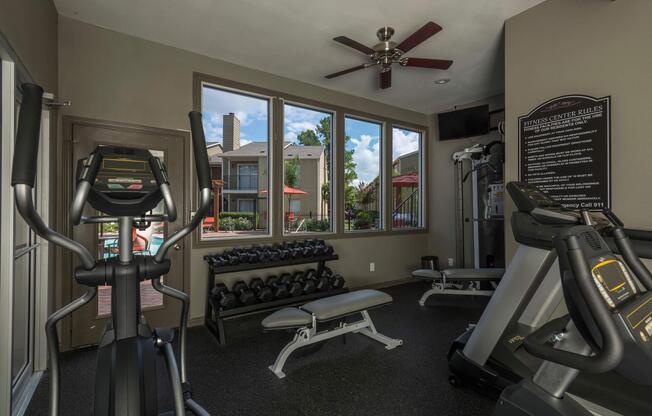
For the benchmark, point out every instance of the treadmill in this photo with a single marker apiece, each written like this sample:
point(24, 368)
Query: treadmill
point(490, 356)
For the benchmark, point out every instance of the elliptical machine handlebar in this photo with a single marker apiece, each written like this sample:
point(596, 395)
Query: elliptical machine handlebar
point(23, 174)
point(203, 180)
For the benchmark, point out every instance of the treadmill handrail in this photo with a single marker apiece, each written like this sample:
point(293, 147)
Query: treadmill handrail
point(611, 353)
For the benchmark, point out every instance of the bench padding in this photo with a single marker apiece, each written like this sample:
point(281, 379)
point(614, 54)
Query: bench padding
point(346, 304)
point(287, 318)
point(474, 274)
point(426, 274)
point(460, 274)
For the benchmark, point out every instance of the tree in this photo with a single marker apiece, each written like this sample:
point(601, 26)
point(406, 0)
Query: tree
point(321, 135)
point(292, 172)
point(308, 138)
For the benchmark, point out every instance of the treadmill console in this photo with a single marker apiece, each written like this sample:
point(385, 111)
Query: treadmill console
point(125, 181)
point(530, 199)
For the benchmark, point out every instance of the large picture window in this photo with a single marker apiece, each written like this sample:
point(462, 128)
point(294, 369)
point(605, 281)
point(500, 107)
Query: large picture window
point(406, 179)
point(307, 170)
point(236, 125)
point(362, 175)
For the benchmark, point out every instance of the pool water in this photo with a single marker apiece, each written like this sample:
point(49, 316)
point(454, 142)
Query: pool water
point(154, 245)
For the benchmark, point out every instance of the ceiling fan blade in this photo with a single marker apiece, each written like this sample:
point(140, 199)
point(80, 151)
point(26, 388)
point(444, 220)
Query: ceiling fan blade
point(385, 78)
point(346, 71)
point(353, 44)
point(419, 36)
point(427, 63)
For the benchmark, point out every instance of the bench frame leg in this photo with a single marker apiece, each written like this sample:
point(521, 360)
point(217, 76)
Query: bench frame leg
point(440, 288)
point(308, 335)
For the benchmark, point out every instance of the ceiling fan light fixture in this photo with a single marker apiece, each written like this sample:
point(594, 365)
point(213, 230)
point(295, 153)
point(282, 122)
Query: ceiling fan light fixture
point(442, 81)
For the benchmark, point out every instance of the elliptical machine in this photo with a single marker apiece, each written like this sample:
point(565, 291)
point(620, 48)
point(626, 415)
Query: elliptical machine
point(609, 326)
point(124, 184)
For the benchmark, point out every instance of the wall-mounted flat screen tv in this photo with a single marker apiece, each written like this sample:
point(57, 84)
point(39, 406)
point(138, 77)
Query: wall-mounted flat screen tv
point(468, 122)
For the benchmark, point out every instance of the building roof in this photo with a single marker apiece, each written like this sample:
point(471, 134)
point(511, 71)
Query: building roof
point(259, 149)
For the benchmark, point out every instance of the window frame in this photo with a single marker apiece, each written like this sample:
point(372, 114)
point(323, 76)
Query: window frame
point(334, 170)
point(252, 200)
point(247, 164)
point(423, 176)
point(277, 99)
point(234, 88)
point(382, 191)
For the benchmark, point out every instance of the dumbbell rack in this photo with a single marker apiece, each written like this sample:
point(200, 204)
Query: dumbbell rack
point(214, 317)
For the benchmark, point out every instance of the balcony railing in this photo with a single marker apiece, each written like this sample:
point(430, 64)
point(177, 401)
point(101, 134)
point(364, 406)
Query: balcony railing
point(406, 214)
point(247, 182)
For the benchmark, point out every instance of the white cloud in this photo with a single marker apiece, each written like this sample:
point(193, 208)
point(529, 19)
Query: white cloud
point(292, 129)
point(244, 142)
point(299, 119)
point(366, 155)
point(404, 142)
point(246, 108)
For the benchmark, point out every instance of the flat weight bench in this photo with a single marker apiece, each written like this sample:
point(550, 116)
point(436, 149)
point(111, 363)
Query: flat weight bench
point(458, 281)
point(306, 318)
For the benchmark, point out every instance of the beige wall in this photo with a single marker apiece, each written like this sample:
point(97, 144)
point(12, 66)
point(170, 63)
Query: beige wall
point(442, 183)
point(117, 77)
point(595, 48)
point(30, 26)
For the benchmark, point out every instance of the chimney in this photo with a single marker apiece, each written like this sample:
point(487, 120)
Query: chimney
point(231, 132)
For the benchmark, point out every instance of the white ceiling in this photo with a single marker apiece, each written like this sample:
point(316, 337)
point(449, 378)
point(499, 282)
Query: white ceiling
point(292, 38)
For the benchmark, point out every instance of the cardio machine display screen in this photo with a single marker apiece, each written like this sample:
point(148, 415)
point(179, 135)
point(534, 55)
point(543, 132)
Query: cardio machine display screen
point(613, 281)
point(121, 174)
point(123, 180)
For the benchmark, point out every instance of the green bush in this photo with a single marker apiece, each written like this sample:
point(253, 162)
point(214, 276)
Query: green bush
point(365, 220)
point(317, 225)
point(252, 217)
point(243, 224)
point(227, 224)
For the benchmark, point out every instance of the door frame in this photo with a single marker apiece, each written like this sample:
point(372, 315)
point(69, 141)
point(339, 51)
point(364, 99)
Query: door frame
point(65, 191)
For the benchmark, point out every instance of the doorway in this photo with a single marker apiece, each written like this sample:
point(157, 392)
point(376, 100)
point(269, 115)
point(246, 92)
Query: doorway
point(170, 146)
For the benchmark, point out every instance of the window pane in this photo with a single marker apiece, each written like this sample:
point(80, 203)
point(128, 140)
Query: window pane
point(362, 179)
point(307, 170)
point(22, 298)
point(406, 178)
point(237, 136)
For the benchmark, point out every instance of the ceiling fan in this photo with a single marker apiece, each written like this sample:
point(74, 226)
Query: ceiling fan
point(387, 52)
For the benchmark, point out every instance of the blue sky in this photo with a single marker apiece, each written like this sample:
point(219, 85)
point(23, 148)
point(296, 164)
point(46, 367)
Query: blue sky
point(253, 115)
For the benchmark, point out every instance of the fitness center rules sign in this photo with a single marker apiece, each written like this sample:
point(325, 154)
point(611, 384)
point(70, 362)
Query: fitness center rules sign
point(564, 149)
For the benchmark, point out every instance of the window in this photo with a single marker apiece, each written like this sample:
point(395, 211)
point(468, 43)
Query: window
point(362, 174)
point(247, 177)
point(236, 125)
point(406, 179)
point(246, 205)
point(307, 170)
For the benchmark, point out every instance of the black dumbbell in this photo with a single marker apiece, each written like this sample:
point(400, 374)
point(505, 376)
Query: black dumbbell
point(294, 288)
point(262, 291)
point(279, 290)
point(229, 258)
point(337, 281)
point(308, 285)
point(245, 295)
point(222, 297)
point(323, 280)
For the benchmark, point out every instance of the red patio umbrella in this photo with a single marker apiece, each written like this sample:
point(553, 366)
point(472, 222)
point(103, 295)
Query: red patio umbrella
point(289, 191)
point(408, 180)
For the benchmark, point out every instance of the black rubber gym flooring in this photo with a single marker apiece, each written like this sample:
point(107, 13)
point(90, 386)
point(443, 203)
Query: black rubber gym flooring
point(358, 377)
